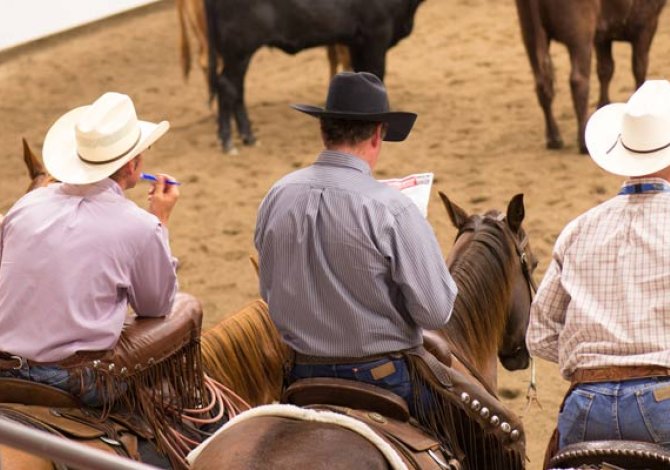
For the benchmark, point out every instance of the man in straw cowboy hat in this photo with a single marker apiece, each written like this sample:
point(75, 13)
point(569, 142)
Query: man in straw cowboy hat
point(349, 267)
point(74, 255)
point(601, 311)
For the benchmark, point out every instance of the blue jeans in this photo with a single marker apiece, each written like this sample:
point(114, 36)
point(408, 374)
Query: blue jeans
point(398, 381)
point(82, 387)
point(637, 410)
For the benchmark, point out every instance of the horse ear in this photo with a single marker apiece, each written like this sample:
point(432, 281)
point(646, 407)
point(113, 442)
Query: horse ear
point(457, 215)
point(35, 167)
point(515, 213)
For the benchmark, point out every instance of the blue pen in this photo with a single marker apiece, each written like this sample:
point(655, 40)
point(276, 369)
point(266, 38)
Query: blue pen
point(150, 177)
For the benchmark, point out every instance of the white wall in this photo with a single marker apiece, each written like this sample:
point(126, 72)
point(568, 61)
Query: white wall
point(22, 21)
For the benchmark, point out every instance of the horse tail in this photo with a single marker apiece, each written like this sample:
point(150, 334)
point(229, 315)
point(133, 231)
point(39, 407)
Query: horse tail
point(246, 353)
point(183, 40)
point(212, 34)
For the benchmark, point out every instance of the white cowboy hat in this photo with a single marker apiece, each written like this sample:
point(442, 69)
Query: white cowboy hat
point(89, 143)
point(633, 138)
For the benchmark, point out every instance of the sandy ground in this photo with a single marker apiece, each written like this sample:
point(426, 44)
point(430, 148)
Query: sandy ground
point(463, 70)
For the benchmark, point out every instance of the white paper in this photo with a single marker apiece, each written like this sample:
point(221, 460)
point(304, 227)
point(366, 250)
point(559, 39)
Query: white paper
point(416, 187)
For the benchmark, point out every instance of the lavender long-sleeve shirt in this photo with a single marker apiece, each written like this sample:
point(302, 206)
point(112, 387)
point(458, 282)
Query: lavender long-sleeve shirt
point(72, 258)
point(348, 265)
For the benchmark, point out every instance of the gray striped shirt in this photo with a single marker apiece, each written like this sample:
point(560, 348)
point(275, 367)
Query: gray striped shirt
point(348, 265)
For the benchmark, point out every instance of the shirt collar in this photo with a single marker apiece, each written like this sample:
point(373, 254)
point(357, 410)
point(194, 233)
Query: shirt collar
point(344, 160)
point(105, 185)
point(645, 180)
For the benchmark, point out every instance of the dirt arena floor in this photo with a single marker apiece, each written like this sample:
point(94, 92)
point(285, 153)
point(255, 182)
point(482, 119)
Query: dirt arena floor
point(464, 70)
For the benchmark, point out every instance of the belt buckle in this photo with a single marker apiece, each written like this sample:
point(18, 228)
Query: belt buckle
point(20, 359)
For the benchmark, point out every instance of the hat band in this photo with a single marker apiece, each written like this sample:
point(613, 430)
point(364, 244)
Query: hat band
point(635, 150)
point(95, 162)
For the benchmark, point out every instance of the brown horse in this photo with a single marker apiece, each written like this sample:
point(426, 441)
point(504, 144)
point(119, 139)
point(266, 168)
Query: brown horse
point(492, 265)
point(580, 24)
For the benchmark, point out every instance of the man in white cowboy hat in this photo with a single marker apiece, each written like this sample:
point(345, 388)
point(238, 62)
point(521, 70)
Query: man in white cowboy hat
point(349, 267)
point(602, 310)
point(74, 255)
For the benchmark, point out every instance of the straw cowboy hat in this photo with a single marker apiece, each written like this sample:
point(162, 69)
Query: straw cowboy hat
point(633, 138)
point(361, 96)
point(89, 143)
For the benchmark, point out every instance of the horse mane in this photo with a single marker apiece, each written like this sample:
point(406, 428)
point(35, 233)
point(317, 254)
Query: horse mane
point(481, 308)
point(245, 352)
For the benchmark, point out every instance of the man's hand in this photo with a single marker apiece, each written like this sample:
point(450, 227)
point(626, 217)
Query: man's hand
point(162, 198)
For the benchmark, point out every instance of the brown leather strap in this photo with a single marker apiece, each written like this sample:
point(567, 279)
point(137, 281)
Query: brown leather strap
point(617, 374)
point(439, 370)
point(8, 362)
point(308, 359)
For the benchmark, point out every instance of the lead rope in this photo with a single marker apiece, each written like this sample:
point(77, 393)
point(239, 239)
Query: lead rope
point(531, 393)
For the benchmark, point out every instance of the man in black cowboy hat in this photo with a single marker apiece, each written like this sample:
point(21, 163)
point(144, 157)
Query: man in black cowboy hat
point(349, 267)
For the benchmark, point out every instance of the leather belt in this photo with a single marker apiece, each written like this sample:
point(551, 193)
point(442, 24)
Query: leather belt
point(439, 370)
point(9, 362)
point(617, 373)
point(300, 358)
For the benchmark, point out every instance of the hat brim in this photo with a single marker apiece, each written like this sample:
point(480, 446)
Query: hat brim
point(400, 123)
point(606, 149)
point(61, 160)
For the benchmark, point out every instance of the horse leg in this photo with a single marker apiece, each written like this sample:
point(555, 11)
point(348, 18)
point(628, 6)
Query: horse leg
point(640, 57)
point(544, 88)
point(239, 108)
point(605, 65)
point(580, 71)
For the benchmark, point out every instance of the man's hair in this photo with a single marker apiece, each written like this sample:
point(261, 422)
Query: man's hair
point(346, 131)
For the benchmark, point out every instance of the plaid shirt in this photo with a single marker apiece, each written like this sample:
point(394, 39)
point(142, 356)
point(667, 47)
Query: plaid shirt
point(605, 298)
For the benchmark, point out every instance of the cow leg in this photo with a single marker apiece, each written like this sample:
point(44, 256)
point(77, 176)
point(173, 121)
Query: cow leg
point(231, 102)
point(239, 108)
point(605, 65)
point(580, 71)
point(332, 59)
point(369, 57)
point(225, 93)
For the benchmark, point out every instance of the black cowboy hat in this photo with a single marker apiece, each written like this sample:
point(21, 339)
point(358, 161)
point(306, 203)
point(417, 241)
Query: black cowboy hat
point(361, 96)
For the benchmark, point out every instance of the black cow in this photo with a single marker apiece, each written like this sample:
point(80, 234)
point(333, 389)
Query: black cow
point(237, 28)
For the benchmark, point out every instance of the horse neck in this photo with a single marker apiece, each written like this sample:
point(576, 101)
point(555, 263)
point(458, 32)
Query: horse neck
point(477, 324)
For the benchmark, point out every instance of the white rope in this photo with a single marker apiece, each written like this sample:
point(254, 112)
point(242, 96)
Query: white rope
point(295, 412)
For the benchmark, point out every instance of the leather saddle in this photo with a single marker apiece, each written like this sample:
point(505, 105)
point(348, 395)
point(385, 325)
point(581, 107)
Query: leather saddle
point(617, 454)
point(383, 411)
point(26, 392)
point(348, 393)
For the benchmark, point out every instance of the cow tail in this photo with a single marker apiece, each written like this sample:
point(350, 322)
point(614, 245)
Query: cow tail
point(212, 34)
point(183, 39)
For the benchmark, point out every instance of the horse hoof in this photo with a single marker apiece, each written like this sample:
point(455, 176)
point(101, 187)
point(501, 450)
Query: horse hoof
point(555, 144)
point(249, 140)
